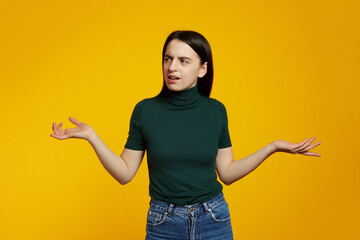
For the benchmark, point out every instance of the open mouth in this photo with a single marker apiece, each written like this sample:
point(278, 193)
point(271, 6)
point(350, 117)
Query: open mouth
point(173, 79)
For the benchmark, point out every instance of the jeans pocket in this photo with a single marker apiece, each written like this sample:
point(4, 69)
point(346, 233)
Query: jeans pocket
point(220, 212)
point(156, 216)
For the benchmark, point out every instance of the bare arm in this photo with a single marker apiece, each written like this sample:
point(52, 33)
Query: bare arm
point(123, 168)
point(230, 171)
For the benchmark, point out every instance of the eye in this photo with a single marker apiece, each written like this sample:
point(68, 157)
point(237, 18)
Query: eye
point(184, 61)
point(166, 59)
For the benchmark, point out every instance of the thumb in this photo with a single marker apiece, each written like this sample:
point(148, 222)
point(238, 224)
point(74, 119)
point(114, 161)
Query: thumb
point(74, 121)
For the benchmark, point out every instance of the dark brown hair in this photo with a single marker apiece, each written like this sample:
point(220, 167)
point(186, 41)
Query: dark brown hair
point(202, 47)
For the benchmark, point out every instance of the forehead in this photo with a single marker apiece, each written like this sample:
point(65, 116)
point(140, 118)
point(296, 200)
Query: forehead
point(180, 48)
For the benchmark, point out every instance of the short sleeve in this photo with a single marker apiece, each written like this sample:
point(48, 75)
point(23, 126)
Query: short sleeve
point(224, 139)
point(135, 140)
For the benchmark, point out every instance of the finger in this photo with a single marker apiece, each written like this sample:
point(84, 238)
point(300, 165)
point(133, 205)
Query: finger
point(311, 154)
point(310, 147)
point(74, 121)
point(59, 128)
point(299, 145)
point(301, 148)
point(308, 144)
point(57, 136)
point(55, 129)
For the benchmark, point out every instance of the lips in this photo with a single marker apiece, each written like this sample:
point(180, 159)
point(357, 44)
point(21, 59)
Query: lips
point(173, 77)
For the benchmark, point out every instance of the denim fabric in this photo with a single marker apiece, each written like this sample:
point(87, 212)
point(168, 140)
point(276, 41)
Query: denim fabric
point(202, 221)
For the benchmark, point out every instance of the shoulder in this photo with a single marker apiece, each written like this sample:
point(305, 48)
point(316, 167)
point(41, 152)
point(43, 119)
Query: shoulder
point(145, 102)
point(216, 103)
point(220, 108)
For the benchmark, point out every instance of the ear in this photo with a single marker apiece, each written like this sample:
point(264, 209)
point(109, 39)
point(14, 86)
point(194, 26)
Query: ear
point(203, 70)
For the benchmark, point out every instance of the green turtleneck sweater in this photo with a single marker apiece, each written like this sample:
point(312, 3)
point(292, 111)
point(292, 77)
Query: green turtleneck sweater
point(181, 132)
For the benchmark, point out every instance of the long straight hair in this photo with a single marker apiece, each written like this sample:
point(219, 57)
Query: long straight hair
point(202, 47)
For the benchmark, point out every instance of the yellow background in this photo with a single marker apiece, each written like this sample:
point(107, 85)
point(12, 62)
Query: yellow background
point(284, 70)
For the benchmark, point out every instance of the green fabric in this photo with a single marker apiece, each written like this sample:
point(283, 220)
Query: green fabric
point(181, 132)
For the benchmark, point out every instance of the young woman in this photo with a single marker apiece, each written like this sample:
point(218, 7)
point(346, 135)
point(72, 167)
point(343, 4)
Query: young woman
point(185, 134)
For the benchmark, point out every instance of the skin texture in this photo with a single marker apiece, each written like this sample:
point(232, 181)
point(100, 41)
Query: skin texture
point(230, 171)
point(182, 61)
point(176, 63)
point(123, 168)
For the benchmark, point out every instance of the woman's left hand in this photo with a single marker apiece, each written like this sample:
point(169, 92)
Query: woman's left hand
point(300, 148)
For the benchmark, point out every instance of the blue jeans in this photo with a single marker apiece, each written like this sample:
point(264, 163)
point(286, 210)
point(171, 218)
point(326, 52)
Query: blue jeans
point(203, 221)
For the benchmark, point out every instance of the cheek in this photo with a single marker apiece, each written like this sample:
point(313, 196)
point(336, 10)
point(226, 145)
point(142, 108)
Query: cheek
point(193, 73)
point(165, 68)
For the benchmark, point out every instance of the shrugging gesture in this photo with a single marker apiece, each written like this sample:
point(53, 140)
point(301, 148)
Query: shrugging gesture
point(82, 130)
point(230, 170)
point(300, 148)
point(122, 168)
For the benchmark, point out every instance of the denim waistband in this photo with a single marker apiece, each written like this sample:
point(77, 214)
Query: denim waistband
point(170, 208)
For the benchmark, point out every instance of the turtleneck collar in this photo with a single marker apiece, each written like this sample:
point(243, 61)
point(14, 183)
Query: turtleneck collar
point(182, 98)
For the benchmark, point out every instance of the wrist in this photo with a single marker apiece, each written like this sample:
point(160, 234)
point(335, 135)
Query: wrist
point(272, 148)
point(92, 136)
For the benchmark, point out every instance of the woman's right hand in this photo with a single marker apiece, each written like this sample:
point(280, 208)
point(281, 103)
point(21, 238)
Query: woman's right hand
point(82, 130)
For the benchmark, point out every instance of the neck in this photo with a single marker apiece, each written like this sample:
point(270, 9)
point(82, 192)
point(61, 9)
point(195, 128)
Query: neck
point(182, 98)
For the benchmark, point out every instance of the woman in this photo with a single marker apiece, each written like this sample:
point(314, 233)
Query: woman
point(185, 134)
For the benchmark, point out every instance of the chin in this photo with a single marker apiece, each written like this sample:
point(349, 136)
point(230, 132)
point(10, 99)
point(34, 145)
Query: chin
point(174, 87)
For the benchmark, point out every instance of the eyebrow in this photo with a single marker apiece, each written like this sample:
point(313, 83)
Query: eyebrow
point(182, 57)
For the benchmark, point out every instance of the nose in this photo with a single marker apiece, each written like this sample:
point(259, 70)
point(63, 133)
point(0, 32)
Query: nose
point(173, 66)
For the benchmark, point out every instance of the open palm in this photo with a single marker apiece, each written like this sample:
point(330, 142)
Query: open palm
point(82, 130)
point(300, 148)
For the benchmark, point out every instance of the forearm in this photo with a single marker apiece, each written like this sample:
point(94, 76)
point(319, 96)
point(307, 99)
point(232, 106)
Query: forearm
point(240, 168)
point(113, 163)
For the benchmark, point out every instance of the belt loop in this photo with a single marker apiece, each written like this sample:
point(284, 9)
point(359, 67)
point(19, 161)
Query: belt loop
point(170, 208)
point(206, 207)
